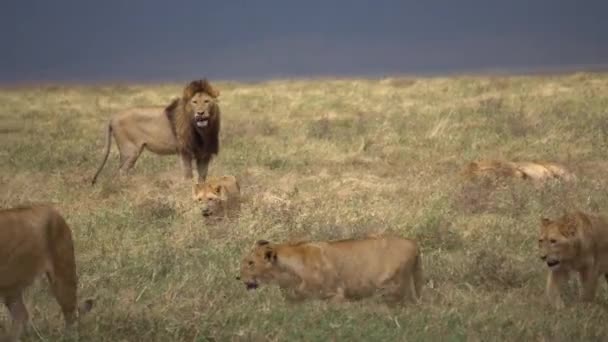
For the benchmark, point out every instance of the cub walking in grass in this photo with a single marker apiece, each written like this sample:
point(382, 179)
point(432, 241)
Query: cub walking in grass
point(218, 197)
point(337, 270)
point(576, 242)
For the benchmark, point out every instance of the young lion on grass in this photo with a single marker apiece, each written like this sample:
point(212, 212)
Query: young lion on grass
point(36, 240)
point(535, 171)
point(576, 242)
point(218, 196)
point(337, 270)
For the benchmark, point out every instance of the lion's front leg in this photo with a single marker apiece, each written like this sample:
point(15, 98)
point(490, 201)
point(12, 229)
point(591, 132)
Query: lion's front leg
point(337, 296)
point(555, 282)
point(187, 165)
point(202, 165)
point(588, 278)
point(293, 295)
point(19, 315)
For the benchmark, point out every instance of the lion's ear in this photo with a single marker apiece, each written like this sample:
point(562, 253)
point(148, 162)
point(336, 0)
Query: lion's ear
point(545, 221)
point(214, 93)
point(217, 189)
point(191, 89)
point(262, 242)
point(270, 255)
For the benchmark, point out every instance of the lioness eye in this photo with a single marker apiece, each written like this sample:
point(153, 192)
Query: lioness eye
point(540, 241)
point(194, 101)
point(206, 101)
point(552, 241)
point(251, 263)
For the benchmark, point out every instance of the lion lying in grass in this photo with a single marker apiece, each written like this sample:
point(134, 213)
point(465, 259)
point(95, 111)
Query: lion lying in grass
point(536, 171)
point(338, 270)
point(576, 242)
point(218, 197)
point(33, 241)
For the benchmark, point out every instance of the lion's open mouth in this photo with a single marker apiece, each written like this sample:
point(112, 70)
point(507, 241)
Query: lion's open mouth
point(251, 286)
point(553, 263)
point(201, 121)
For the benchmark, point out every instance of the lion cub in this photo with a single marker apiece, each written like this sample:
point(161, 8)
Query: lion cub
point(218, 196)
point(345, 269)
point(36, 240)
point(576, 242)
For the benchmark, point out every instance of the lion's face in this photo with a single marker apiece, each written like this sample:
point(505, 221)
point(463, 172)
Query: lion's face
point(557, 242)
point(259, 265)
point(210, 198)
point(200, 105)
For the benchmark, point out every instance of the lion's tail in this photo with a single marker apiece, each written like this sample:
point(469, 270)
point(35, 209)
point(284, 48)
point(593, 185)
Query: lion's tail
point(62, 276)
point(418, 275)
point(107, 153)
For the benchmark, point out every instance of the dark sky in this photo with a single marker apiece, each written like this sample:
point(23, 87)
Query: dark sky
point(153, 40)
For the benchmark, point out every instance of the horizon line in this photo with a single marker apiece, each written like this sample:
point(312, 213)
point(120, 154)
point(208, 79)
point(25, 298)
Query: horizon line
point(461, 72)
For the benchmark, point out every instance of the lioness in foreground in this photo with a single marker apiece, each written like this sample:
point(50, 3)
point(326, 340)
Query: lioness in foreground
point(338, 270)
point(36, 240)
point(218, 196)
point(188, 126)
point(576, 242)
point(536, 171)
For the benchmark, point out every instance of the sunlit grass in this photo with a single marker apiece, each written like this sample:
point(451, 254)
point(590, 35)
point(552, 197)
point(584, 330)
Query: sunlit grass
point(317, 160)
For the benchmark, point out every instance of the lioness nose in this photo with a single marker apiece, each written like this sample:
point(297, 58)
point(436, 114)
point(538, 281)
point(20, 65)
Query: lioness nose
point(200, 113)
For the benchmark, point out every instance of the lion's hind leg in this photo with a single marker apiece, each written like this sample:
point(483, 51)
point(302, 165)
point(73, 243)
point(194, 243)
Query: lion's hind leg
point(128, 156)
point(403, 286)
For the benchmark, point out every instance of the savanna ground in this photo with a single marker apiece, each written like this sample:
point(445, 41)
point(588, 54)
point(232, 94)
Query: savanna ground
point(317, 159)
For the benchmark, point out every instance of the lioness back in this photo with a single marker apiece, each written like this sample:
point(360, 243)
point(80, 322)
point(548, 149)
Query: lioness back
point(24, 252)
point(371, 257)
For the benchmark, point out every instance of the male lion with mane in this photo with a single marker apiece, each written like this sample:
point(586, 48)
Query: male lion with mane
point(337, 270)
point(218, 196)
point(36, 240)
point(188, 126)
point(576, 242)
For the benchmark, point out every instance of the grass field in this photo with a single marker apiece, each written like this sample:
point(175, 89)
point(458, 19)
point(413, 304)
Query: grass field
point(317, 159)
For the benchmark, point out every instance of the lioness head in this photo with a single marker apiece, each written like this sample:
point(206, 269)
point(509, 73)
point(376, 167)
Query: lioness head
point(558, 242)
point(200, 99)
point(259, 265)
point(210, 196)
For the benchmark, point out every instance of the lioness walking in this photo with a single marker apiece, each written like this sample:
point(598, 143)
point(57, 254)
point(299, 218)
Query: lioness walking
point(337, 269)
point(36, 240)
